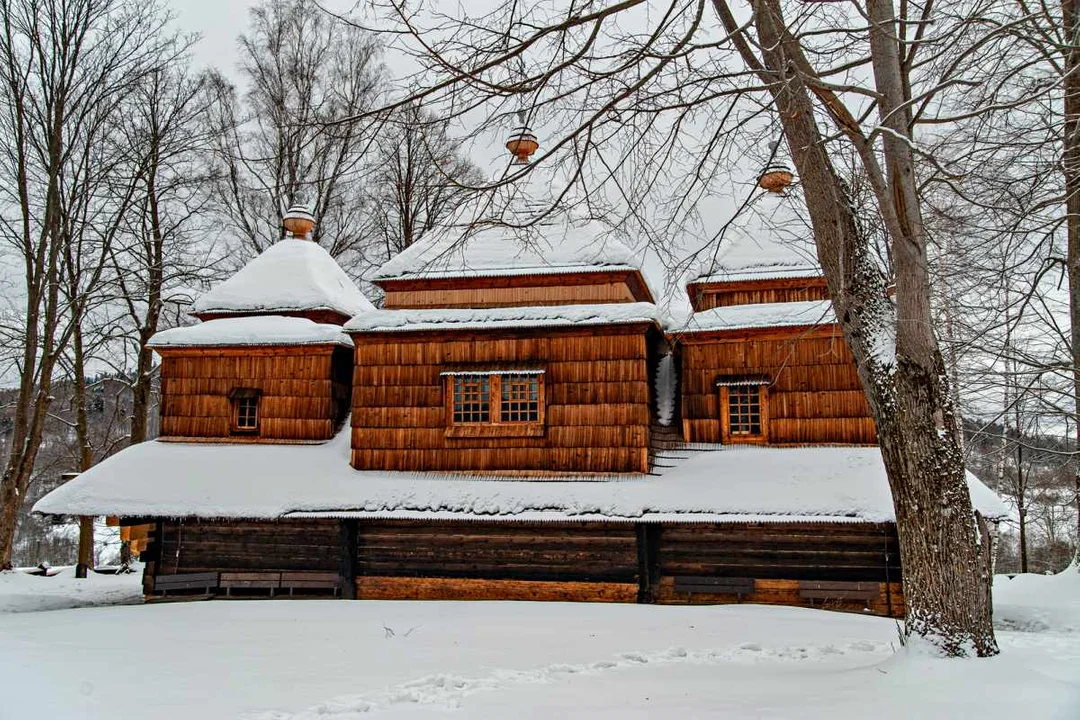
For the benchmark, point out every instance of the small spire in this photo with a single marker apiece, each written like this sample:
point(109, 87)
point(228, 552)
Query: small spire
point(298, 222)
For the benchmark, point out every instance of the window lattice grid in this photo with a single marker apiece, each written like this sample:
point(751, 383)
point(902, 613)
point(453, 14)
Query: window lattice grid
point(472, 399)
point(247, 413)
point(520, 398)
point(744, 410)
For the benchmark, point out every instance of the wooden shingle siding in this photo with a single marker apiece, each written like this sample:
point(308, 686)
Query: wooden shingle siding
point(583, 288)
point(814, 396)
point(597, 401)
point(304, 391)
point(705, 296)
point(511, 297)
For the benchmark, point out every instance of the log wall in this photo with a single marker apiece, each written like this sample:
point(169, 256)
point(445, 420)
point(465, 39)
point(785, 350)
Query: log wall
point(485, 560)
point(705, 296)
point(305, 390)
point(815, 396)
point(779, 556)
point(517, 290)
point(574, 561)
point(596, 386)
point(194, 546)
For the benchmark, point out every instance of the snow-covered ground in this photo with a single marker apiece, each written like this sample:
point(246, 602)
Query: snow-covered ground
point(287, 660)
point(20, 592)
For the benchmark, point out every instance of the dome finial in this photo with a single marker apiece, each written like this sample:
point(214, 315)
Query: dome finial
point(522, 142)
point(299, 222)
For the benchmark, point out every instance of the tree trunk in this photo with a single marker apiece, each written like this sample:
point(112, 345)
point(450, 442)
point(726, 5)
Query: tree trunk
point(82, 438)
point(946, 579)
point(1070, 16)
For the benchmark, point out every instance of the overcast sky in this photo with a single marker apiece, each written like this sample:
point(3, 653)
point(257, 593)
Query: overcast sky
point(218, 22)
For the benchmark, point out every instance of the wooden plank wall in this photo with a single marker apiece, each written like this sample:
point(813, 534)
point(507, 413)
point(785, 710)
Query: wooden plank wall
point(597, 394)
point(815, 396)
point(193, 545)
point(510, 297)
point(705, 296)
point(779, 555)
point(517, 290)
point(488, 560)
point(304, 390)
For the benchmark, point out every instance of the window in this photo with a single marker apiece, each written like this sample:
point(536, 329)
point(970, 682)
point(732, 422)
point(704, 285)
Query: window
point(520, 398)
point(744, 412)
point(472, 399)
point(495, 403)
point(245, 410)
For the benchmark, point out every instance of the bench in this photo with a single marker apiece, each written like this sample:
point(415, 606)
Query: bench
point(838, 590)
point(166, 584)
point(250, 581)
point(310, 583)
point(714, 585)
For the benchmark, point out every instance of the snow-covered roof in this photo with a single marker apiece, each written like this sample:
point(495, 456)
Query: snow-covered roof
point(497, 251)
point(764, 315)
point(254, 330)
point(507, 317)
point(170, 479)
point(777, 271)
point(290, 275)
point(751, 258)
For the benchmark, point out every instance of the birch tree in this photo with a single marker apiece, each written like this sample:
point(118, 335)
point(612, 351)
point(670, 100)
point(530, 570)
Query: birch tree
point(294, 135)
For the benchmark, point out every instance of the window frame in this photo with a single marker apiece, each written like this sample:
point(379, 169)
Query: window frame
point(236, 395)
point(495, 426)
point(727, 437)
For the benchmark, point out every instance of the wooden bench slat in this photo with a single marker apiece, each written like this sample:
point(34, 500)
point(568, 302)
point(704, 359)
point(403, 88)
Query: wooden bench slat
point(838, 594)
point(250, 584)
point(838, 590)
point(294, 577)
point(186, 581)
point(234, 576)
point(714, 585)
point(837, 585)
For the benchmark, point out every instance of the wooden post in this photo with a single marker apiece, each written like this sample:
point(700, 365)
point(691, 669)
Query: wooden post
point(648, 545)
point(348, 558)
point(86, 545)
point(86, 537)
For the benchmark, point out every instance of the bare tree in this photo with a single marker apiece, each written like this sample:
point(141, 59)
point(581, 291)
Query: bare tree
point(63, 66)
point(294, 136)
point(419, 177)
point(1021, 154)
point(165, 252)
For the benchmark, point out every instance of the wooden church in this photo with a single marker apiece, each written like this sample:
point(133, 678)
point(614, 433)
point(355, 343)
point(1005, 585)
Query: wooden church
point(519, 420)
